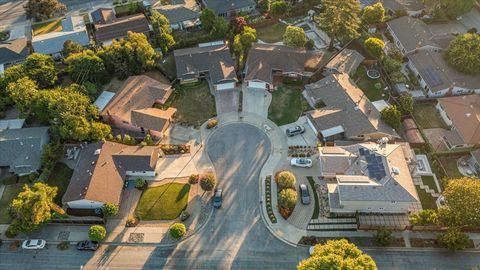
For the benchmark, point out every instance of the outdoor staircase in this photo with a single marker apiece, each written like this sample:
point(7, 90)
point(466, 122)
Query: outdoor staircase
point(332, 224)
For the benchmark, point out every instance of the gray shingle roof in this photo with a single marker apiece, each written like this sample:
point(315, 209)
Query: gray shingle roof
point(179, 14)
point(13, 51)
point(223, 6)
point(21, 149)
point(347, 61)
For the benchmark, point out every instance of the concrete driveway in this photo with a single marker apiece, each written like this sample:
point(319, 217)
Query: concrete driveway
point(309, 138)
point(226, 101)
point(256, 101)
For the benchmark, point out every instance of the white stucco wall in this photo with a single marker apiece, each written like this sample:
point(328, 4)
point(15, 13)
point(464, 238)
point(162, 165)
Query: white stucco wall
point(372, 207)
point(225, 86)
point(85, 204)
point(140, 173)
point(257, 84)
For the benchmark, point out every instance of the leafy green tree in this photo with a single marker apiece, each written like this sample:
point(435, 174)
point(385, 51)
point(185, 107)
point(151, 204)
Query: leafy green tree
point(70, 47)
point(464, 53)
point(462, 198)
point(23, 93)
point(237, 24)
point(392, 116)
point(86, 65)
point(41, 68)
point(449, 8)
point(285, 179)
point(11, 74)
point(220, 28)
point(74, 127)
point(337, 254)
point(208, 182)
point(373, 14)
point(340, 20)
point(310, 44)
point(393, 69)
point(383, 237)
point(98, 131)
point(278, 9)
point(247, 37)
point(454, 239)
point(264, 5)
point(109, 209)
point(374, 46)
point(424, 217)
point(208, 18)
point(33, 207)
point(44, 9)
point(287, 198)
point(97, 233)
point(162, 31)
point(406, 104)
point(178, 230)
point(294, 37)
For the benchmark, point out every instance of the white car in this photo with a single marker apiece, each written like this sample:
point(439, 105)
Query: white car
point(310, 250)
point(33, 244)
point(301, 162)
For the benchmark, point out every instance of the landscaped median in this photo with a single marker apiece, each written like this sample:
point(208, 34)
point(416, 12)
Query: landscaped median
point(268, 199)
point(287, 195)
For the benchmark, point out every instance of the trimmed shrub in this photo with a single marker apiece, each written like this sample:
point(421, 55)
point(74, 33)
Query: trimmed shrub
point(287, 199)
point(97, 233)
point(212, 123)
point(131, 221)
point(207, 182)
point(454, 239)
point(140, 183)
point(193, 179)
point(383, 237)
point(63, 245)
point(109, 209)
point(285, 179)
point(11, 231)
point(178, 230)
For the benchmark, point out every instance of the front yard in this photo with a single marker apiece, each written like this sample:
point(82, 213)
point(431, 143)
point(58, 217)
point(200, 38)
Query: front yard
point(287, 104)
point(194, 102)
point(373, 89)
point(164, 202)
point(47, 27)
point(271, 33)
point(427, 116)
point(10, 192)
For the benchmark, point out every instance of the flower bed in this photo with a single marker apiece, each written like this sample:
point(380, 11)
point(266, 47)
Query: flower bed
point(175, 149)
point(268, 199)
point(301, 151)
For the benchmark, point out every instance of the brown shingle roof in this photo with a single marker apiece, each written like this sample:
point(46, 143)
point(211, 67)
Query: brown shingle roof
point(120, 27)
point(152, 118)
point(100, 176)
point(464, 112)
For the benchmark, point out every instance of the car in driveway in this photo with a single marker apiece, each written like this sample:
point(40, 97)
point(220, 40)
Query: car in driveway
point(304, 194)
point(218, 198)
point(34, 244)
point(87, 245)
point(301, 162)
point(295, 131)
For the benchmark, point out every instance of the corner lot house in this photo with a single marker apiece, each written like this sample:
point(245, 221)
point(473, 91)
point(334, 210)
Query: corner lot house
point(267, 65)
point(343, 111)
point(118, 28)
point(100, 173)
point(131, 108)
point(368, 178)
point(462, 114)
point(347, 61)
point(21, 149)
point(12, 52)
point(212, 62)
point(230, 8)
point(181, 14)
point(73, 28)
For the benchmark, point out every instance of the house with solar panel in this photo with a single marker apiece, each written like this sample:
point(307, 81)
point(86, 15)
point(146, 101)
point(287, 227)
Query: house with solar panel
point(369, 178)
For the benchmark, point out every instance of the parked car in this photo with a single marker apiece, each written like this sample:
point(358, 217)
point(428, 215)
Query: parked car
point(218, 198)
point(87, 245)
point(126, 184)
point(34, 244)
point(295, 131)
point(304, 194)
point(301, 162)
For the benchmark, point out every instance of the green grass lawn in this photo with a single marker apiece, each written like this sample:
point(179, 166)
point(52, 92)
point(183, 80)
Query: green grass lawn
point(450, 165)
point(368, 85)
point(316, 209)
point(287, 104)
point(271, 33)
point(168, 67)
point(427, 116)
point(47, 27)
point(194, 102)
point(430, 182)
point(128, 9)
point(11, 191)
point(427, 201)
point(60, 178)
point(164, 202)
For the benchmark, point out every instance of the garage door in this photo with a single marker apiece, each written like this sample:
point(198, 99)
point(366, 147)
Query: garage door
point(225, 86)
point(260, 85)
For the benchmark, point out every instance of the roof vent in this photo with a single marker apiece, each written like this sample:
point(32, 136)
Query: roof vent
point(395, 170)
point(356, 108)
point(468, 114)
point(97, 152)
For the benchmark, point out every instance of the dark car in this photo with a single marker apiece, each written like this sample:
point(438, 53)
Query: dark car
point(295, 131)
point(304, 194)
point(87, 245)
point(126, 184)
point(217, 198)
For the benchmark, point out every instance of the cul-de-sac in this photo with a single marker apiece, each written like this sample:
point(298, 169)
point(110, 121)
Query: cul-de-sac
point(240, 134)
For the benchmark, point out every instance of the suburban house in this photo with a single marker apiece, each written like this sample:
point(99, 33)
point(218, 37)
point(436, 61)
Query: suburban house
point(73, 28)
point(267, 65)
point(413, 8)
point(347, 61)
point(181, 14)
point(462, 114)
point(13, 52)
point(102, 16)
point(131, 107)
point(210, 61)
point(21, 149)
point(118, 28)
point(230, 8)
point(437, 78)
point(101, 170)
point(368, 178)
point(343, 112)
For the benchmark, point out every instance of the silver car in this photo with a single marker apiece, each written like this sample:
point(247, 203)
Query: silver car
point(304, 194)
point(301, 162)
point(34, 244)
point(295, 131)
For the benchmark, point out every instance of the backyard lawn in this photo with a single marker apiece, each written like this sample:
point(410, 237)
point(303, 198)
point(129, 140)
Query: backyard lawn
point(430, 182)
point(164, 202)
point(60, 177)
point(167, 66)
point(427, 201)
point(271, 33)
point(449, 162)
point(194, 102)
point(368, 85)
point(427, 116)
point(287, 104)
point(47, 27)
point(11, 191)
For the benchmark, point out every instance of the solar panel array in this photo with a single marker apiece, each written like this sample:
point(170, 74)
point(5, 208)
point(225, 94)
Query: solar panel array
point(375, 167)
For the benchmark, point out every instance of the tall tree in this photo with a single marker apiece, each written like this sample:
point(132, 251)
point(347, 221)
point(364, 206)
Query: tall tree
point(462, 198)
point(375, 47)
point(373, 14)
point(44, 9)
point(391, 115)
point(340, 20)
point(23, 93)
point(41, 68)
point(70, 47)
point(464, 53)
point(85, 65)
point(162, 31)
point(278, 9)
point(238, 24)
point(294, 37)
point(208, 18)
point(337, 254)
point(33, 207)
point(449, 8)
